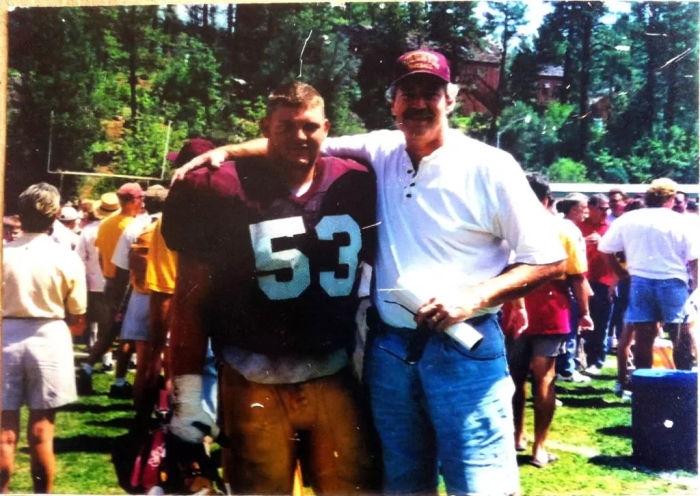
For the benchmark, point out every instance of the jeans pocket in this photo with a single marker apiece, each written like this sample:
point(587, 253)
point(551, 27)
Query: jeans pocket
point(393, 344)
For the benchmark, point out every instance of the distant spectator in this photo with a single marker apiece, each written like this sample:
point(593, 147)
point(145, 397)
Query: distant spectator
point(574, 207)
point(130, 197)
point(88, 253)
point(617, 201)
point(534, 351)
point(657, 243)
point(680, 202)
point(69, 217)
point(600, 278)
point(11, 228)
point(43, 285)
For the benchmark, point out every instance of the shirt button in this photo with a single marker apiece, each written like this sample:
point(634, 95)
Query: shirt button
point(408, 195)
point(412, 184)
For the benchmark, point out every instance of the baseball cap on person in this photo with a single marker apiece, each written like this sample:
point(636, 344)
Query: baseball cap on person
point(130, 189)
point(421, 62)
point(68, 214)
point(106, 205)
point(191, 149)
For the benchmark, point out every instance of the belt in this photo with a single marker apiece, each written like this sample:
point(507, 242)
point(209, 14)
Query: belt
point(417, 339)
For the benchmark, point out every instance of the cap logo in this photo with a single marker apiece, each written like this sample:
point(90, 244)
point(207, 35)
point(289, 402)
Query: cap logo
point(419, 61)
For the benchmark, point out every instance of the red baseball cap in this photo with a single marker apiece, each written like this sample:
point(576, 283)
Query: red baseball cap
point(191, 149)
point(421, 62)
point(130, 189)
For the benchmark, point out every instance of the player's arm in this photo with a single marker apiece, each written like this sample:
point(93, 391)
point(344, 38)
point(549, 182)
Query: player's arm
point(217, 156)
point(188, 345)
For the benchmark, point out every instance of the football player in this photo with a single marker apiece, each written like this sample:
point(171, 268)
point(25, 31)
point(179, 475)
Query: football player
point(269, 250)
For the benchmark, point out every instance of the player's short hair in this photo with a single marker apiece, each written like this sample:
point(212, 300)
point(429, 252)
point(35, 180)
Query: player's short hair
point(38, 206)
point(296, 94)
point(539, 184)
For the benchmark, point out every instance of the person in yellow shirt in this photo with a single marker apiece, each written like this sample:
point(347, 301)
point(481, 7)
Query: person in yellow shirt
point(130, 196)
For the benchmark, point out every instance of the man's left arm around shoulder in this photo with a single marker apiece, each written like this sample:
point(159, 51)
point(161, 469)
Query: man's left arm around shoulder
point(515, 281)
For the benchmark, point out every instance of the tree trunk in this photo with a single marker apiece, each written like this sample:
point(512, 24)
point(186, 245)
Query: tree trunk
point(585, 116)
point(131, 36)
point(502, 83)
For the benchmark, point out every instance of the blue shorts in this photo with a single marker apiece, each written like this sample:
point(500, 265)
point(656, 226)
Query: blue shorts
point(135, 326)
point(451, 410)
point(656, 300)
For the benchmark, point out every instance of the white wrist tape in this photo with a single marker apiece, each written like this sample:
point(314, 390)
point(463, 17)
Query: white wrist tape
point(187, 409)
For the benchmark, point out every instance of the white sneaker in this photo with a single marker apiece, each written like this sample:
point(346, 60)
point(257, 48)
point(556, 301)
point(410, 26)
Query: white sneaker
point(624, 394)
point(576, 376)
point(593, 370)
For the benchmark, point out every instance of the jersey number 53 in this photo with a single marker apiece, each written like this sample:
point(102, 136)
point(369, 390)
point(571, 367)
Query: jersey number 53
point(268, 260)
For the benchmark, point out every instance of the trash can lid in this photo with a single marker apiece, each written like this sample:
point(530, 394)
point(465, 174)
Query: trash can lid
point(665, 377)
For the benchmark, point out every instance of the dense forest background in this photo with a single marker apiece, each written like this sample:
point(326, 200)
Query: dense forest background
point(107, 90)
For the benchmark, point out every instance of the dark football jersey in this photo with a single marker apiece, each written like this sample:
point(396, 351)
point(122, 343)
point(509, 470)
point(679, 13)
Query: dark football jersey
point(285, 268)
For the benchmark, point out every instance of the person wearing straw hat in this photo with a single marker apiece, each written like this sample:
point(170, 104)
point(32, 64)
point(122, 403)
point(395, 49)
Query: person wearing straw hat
point(88, 253)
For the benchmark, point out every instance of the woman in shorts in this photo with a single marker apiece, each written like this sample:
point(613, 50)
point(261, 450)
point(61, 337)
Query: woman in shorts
point(44, 292)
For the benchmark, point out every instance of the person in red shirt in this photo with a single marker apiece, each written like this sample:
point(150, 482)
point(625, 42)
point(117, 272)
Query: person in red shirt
point(600, 277)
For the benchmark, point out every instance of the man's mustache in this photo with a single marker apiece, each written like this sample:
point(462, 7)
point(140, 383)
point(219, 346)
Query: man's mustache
point(418, 114)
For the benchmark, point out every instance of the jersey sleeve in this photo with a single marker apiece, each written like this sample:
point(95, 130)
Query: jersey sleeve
point(199, 212)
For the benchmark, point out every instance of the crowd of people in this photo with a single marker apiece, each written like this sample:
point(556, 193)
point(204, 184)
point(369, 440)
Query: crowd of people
point(249, 271)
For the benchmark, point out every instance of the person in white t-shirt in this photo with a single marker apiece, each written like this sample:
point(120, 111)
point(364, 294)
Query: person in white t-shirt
point(658, 243)
point(450, 209)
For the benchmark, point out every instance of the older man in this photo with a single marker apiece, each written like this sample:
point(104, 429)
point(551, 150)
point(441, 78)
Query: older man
point(450, 210)
point(600, 278)
point(658, 243)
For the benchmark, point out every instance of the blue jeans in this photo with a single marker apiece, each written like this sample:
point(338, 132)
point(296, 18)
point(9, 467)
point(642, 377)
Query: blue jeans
point(601, 310)
point(620, 302)
point(451, 409)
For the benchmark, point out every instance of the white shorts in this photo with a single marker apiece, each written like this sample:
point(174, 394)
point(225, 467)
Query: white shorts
point(135, 326)
point(37, 364)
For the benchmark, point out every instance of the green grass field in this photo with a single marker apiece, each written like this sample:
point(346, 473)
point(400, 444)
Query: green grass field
point(590, 434)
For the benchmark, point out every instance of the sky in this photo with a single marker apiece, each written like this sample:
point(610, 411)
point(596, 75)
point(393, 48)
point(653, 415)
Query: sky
point(537, 9)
